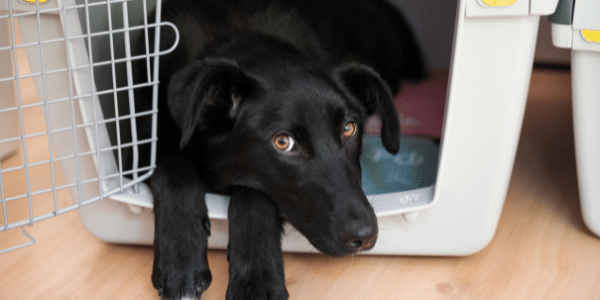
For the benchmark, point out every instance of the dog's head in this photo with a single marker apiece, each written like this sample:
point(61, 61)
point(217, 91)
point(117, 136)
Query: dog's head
point(292, 131)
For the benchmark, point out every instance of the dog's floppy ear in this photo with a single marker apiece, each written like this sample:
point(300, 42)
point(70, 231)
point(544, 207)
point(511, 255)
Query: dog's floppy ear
point(365, 84)
point(206, 95)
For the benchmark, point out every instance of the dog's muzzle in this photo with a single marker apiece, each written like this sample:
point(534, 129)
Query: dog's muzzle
point(359, 235)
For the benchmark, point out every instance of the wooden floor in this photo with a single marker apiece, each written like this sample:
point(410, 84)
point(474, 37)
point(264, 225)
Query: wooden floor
point(541, 250)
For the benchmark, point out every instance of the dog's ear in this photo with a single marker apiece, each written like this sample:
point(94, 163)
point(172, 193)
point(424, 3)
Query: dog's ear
point(206, 96)
point(365, 84)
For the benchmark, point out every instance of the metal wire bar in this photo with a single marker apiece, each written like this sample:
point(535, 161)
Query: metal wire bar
point(94, 95)
point(31, 239)
point(102, 63)
point(16, 66)
point(77, 205)
point(48, 126)
point(95, 34)
point(146, 40)
point(69, 185)
point(58, 159)
point(131, 94)
point(2, 198)
point(115, 96)
point(155, 88)
point(73, 43)
point(105, 92)
point(83, 125)
point(59, 9)
point(73, 123)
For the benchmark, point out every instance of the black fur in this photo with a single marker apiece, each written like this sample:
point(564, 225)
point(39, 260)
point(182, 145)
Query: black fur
point(180, 264)
point(244, 72)
point(254, 250)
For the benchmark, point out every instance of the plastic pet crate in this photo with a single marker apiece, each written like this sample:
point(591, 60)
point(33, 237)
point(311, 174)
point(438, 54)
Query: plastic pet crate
point(431, 199)
point(576, 26)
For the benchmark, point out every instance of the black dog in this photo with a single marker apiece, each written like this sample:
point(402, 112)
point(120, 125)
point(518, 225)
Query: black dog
point(265, 100)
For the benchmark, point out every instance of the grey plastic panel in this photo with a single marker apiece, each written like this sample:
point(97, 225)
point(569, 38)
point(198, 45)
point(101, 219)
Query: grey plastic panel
point(563, 13)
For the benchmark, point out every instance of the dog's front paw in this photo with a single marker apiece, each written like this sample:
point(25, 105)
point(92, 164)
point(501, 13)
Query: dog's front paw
point(177, 277)
point(256, 286)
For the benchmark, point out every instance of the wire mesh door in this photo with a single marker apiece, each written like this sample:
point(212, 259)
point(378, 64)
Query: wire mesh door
point(80, 58)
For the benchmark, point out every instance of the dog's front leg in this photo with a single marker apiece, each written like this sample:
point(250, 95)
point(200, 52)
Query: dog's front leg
point(182, 228)
point(254, 251)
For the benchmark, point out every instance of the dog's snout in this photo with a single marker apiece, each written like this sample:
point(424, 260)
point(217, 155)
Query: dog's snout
point(360, 236)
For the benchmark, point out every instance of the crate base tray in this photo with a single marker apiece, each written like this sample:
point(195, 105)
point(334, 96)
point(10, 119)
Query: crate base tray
point(394, 184)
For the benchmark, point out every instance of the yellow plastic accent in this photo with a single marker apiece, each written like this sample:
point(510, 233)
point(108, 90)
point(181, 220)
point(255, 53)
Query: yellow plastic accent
point(591, 35)
point(498, 2)
point(33, 1)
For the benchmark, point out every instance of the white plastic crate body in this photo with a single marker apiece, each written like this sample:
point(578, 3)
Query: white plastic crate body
point(491, 64)
point(577, 27)
point(491, 67)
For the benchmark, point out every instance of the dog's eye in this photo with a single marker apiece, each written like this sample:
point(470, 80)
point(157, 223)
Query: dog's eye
point(283, 142)
point(349, 129)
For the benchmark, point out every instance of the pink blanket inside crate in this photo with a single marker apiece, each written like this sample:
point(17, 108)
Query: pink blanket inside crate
point(421, 107)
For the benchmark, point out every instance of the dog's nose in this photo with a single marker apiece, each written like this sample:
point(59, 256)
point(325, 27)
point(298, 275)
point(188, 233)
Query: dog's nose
point(359, 236)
